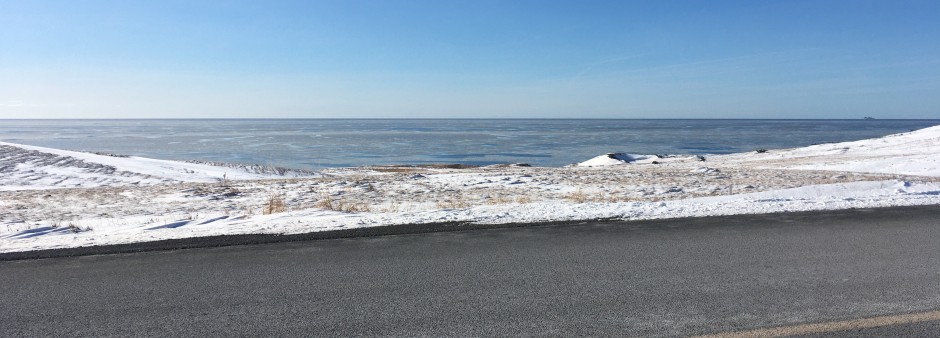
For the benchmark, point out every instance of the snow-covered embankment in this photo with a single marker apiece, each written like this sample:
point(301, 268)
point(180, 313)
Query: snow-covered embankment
point(54, 198)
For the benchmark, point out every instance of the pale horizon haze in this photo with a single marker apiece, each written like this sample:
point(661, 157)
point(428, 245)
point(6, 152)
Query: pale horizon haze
point(470, 59)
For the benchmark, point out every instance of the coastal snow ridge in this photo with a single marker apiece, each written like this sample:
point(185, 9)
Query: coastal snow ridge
point(612, 159)
point(622, 158)
point(103, 200)
point(913, 153)
point(28, 167)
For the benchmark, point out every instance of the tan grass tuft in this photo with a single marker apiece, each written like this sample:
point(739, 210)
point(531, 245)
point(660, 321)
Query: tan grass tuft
point(275, 205)
point(498, 199)
point(577, 196)
point(523, 199)
point(457, 201)
point(342, 204)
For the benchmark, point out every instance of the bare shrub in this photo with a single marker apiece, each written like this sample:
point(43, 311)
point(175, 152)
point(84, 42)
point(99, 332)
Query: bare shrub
point(76, 229)
point(325, 203)
point(275, 205)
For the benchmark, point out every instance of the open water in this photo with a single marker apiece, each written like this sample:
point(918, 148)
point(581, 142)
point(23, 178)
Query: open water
point(319, 143)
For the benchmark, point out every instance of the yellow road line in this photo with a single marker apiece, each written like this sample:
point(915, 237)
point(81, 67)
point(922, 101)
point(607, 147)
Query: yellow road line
point(844, 325)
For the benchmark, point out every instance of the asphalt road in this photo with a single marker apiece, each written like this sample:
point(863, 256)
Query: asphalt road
point(656, 278)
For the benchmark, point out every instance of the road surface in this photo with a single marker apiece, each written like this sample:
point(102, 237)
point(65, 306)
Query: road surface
point(685, 277)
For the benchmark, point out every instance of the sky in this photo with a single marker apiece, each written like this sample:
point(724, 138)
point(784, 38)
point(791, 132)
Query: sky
point(469, 59)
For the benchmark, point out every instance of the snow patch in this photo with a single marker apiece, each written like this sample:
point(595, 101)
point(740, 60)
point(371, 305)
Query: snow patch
point(911, 153)
point(613, 159)
point(28, 167)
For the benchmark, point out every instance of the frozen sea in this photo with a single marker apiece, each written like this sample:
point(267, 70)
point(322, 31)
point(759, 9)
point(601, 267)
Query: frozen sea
point(321, 143)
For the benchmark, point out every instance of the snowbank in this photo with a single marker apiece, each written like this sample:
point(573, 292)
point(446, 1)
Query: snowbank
point(29, 167)
point(613, 159)
point(912, 153)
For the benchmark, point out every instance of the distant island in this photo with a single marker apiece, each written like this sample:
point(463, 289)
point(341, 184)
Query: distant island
point(869, 118)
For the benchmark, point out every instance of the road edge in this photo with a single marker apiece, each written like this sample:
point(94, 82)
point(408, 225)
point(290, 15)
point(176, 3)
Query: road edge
point(410, 229)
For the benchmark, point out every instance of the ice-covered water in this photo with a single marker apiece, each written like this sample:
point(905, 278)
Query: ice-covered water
point(318, 143)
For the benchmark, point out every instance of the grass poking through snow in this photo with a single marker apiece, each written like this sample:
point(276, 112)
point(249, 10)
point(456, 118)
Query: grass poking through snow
point(275, 205)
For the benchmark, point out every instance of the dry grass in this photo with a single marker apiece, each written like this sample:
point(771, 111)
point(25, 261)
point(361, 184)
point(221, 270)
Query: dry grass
point(503, 199)
point(370, 192)
point(457, 201)
point(406, 170)
point(346, 206)
point(342, 204)
point(275, 205)
point(577, 196)
point(498, 199)
point(615, 199)
point(76, 229)
point(580, 196)
point(325, 203)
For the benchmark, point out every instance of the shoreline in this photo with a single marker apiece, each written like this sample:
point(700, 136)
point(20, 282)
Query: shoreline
point(321, 144)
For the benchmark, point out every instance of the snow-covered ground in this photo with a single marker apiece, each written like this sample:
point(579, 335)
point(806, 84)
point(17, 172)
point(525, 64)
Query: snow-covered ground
point(54, 198)
point(28, 167)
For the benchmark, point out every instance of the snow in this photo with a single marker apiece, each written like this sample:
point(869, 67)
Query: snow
point(612, 159)
point(53, 198)
point(46, 168)
point(912, 153)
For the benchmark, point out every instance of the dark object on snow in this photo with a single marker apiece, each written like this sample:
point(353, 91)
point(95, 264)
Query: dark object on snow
point(110, 154)
point(447, 166)
point(761, 151)
point(621, 157)
point(655, 162)
point(700, 158)
point(508, 165)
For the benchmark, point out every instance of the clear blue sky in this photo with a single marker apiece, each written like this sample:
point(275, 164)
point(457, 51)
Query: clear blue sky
point(479, 58)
